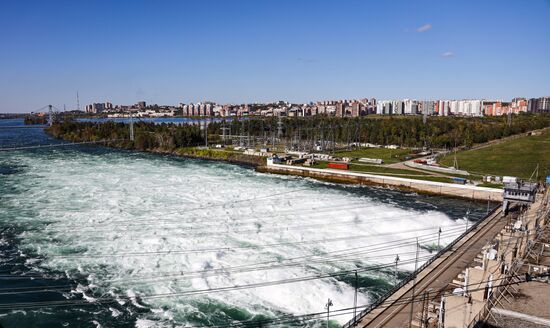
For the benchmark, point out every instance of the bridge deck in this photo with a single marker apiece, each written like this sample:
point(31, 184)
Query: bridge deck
point(395, 311)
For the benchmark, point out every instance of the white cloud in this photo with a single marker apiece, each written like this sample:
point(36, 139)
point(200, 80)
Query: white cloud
point(424, 28)
point(447, 54)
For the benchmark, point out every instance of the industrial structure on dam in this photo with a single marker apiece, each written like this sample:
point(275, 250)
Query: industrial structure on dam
point(475, 280)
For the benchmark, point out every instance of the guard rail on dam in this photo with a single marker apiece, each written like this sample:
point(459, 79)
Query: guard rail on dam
point(459, 285)
point(359, 320)
point(432, 187)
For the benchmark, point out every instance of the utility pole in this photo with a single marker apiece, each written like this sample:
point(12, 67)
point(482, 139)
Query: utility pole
point(327, 306)
point(425, 309)
point(279, 128)
point(333, 137)
point(414, 283)
point(355, 299)
point(441, 321)
point(455, 162)
point(242, 134)
point(131, 126)
point(248, 135)
point(206, 133)
point(396, 262)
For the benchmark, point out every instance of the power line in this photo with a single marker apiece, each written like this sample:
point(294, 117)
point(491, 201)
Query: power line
point(280, 319)
point(373, 248)
point(57, 145)
point(200, 250)
point(207, 290)
point(329, 257)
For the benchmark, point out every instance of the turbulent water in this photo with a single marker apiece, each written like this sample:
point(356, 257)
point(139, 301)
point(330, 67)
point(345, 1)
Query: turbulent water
point(94, 237)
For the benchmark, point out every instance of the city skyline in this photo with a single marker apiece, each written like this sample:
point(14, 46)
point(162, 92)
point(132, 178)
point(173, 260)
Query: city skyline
point(244, 52)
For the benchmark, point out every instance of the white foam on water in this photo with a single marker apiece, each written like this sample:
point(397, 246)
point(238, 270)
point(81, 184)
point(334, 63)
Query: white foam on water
point(123, 204)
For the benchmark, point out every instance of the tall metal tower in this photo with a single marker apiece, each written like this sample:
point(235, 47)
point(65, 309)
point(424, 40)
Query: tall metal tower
point(241, 141)
point(224, 130)
point(77, 102)
point(279, 127)
point(131, 126)
point(206, 133)
point(248, 134)
point(50, 115)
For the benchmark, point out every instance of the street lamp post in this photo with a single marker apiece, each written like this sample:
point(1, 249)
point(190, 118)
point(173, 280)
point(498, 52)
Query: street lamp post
point(396, 261)
point(327, 306)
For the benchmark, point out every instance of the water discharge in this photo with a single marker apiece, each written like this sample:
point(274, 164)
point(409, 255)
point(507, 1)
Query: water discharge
point(165, 236)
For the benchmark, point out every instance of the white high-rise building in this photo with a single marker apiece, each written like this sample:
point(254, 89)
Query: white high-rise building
point(411, 107)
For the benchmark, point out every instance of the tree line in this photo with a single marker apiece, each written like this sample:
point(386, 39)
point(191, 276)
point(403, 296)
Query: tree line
point(147, 136)
point(411, 131)
point(405, 131)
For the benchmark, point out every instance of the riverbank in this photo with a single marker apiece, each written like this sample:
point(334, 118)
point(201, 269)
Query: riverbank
point(221, 156)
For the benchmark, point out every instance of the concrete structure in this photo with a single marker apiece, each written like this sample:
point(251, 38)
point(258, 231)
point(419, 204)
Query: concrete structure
point(396, 308)
point(497, 266)
point(463, 283)
point(518, 192)
point(438, 188)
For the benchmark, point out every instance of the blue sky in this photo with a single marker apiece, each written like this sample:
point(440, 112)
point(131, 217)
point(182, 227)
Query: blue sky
point(167, 52)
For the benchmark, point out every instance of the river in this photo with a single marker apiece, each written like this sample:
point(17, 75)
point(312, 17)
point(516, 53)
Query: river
point(96, 237)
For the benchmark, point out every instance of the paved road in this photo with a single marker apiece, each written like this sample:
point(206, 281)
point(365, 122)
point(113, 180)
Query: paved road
point(436, 276)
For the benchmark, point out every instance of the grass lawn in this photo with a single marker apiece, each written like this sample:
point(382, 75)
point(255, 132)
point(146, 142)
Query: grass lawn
point(518, 157)
point(387, 155)
point(491, 185)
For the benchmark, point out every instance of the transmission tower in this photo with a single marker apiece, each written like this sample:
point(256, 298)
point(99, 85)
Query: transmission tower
point(50, 115)
point(280, 129)
point(131, 127)
point(248, 134)
point(224, 129)
point(242, 134)
point(206, 133)
point(77, 102)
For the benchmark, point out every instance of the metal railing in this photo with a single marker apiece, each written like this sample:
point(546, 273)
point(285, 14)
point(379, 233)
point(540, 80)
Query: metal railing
point(353, 322)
